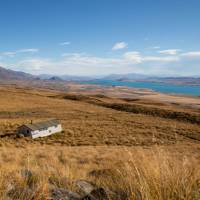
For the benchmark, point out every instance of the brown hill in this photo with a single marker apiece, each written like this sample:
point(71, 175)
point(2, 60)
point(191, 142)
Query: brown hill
point(7, 74)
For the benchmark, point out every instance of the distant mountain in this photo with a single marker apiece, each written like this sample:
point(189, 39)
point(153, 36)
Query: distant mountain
point(176, 80)
point(65, 77)
point(7, 74)
point(77, 78)
point(45, 76)
point(157, 79)
point(55, 78)
point(121, 77)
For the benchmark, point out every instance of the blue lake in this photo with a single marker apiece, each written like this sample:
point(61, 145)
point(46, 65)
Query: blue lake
point(159, 87)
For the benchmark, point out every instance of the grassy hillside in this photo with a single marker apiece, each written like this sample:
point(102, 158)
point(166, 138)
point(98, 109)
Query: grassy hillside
point(136, 148)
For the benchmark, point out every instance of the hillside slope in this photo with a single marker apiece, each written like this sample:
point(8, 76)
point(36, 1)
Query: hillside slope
point(7, 74)
point(96, 120)
point(117, 144)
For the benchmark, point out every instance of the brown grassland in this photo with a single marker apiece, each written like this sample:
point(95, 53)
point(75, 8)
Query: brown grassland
point(137, 147)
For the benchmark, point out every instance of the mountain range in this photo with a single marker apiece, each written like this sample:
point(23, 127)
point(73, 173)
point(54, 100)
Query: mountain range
point(7, 74)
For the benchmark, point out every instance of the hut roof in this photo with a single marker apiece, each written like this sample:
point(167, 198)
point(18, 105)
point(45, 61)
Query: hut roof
point(42, 125)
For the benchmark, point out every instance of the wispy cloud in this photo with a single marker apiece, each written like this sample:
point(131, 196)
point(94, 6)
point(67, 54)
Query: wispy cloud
point(136, 57)
point(192, 54)
point(133, 56)
point(13, 53)
point(36, 64)
point(27, 50)
point(170, 51)
point(74, 64)
point(161, 59)
point(86, 64)
point(64, 43)
point(120, 45)
point(154, 47)
point(9, 53)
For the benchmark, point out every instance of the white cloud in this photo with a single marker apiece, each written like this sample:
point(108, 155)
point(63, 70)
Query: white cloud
point(154, 47)
point(161, 59)
point(85, 64)
point(64, 43)
point(34, 64)
point(133, 57)
point(9, 54)
point(82, 59)
point(27, 50)
point(75, 64)
point(192, 54)
point(136, 58)
point(170, 51)
point(74, 54)
point(120, 45)
point(14, 53)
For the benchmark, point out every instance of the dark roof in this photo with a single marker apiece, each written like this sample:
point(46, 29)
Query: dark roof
point(41, 125)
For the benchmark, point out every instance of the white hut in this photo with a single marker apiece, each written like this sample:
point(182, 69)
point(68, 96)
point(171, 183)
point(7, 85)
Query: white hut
point(40, 129)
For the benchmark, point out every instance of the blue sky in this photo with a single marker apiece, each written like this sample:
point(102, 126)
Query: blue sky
point(99, 37)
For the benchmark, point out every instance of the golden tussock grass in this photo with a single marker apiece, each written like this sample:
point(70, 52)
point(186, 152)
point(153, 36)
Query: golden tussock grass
point(130, 173)
point(134, 155)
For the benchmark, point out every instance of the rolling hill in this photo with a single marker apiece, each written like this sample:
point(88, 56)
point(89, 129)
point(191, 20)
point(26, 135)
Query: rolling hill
point(7, 74)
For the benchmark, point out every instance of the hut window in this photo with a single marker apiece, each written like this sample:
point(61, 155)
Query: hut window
point(28, 131)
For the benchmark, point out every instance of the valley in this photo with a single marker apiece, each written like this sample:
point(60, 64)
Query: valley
point(107, 133)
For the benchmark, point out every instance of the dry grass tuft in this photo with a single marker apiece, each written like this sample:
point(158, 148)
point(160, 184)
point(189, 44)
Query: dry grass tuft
point(127, 173)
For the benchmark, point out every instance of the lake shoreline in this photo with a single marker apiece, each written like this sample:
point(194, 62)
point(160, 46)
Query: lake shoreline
point(167, 88)
point(162, 82)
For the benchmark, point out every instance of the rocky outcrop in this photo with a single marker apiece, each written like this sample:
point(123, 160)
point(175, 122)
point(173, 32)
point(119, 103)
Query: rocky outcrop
point(89, 192)
point(86, 190)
